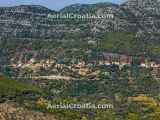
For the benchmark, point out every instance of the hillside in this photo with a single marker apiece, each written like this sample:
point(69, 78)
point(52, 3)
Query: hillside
point(33, 19)
point(27, 33)
point(47, 60)
point(12, 111)
point(14, 90)
point(32, 22)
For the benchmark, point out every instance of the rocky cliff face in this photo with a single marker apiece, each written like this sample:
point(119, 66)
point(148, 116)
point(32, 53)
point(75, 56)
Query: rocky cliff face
point(32, 21)
point(146, 14)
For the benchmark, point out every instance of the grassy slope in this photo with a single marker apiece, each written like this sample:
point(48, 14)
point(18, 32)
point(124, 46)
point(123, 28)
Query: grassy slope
point(119, 42)
point(10, 87)
point(125, 42)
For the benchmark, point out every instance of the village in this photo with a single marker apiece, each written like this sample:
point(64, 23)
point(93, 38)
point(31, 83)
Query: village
point(53, 69)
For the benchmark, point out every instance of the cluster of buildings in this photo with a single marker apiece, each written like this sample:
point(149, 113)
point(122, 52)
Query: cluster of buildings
point(113, 58)
point(75, 70)
point(82, 68)
point(121, 60)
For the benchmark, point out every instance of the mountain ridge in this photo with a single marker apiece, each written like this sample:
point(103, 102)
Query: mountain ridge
point(126, 18)
point(76, 4)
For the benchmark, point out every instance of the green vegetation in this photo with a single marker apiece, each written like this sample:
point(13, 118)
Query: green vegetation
point(116, 85)
point(127, 42)
point(135, 97)
point(9, 87)
point(121, 42)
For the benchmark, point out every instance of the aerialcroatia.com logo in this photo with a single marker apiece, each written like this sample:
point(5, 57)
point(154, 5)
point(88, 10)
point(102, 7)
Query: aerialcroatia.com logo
point(80, 16)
